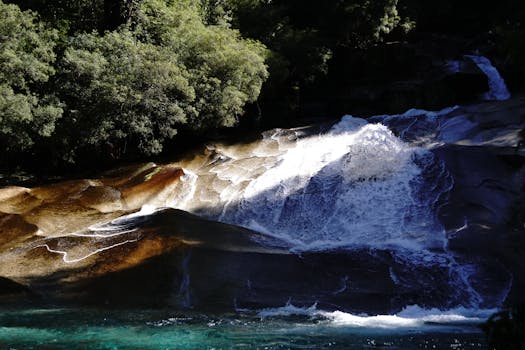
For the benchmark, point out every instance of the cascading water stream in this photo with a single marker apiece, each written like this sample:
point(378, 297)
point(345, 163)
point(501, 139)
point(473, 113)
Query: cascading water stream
point(497, 87)
point(355, 185)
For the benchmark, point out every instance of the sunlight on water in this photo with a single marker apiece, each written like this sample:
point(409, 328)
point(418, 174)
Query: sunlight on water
point(356, 184)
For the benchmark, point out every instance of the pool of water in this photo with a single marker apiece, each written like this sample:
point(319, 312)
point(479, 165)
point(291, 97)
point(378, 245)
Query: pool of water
point(168, 329)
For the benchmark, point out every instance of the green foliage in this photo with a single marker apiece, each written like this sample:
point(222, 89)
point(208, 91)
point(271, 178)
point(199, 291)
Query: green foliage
point(26, 57)
point(69, 15)
point(354, 23)
point(130, 73)
point(216, 12)
point(132, 88)
point(119, 89)
point(304, 36)
point(225, 70)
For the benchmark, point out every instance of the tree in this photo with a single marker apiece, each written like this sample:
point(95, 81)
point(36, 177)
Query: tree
point(131, 89)
point(70, 16)
point(225, 70)
point(122, 92)
point(26, 57)
point(304, 36)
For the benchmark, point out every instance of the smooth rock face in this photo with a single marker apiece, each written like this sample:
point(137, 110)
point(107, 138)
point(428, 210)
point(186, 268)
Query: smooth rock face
point(73, 206)
point(482, 149)
point(180, 260)
point(487, 163)
point(53, 232)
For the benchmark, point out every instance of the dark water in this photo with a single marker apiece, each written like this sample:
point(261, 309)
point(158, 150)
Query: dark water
point(146, 329)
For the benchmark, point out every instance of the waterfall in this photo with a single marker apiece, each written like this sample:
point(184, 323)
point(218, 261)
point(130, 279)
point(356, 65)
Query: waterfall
point(358, 185)
point(497, 88)
point(355, 185)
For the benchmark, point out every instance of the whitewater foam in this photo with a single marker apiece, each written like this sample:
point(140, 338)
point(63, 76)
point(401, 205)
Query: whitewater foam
point(357, 184)
point(413, 317)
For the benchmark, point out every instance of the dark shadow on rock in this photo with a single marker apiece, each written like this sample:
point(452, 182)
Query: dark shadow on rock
point(12, 293)
point(217, 280)
point(505, 330)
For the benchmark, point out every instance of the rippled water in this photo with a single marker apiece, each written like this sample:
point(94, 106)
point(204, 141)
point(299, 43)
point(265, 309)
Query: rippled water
point(146, 329)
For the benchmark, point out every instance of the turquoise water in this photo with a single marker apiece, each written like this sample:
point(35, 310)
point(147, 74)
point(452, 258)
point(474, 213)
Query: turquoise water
point(146, 329)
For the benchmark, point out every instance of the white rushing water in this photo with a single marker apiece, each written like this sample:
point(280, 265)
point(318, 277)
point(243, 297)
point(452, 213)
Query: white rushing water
point(355, 185)
point(497, 88)
point(412, 317)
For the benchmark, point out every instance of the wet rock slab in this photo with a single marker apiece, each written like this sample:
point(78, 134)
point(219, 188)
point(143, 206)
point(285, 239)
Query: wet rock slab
point(481, 146)
point(180, 260)
point(84, 242)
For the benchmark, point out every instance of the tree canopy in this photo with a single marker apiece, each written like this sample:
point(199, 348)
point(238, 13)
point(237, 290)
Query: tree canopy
point(26, 64)
point(133, 87)
point(127, 89)
point(304, 36)
point(121, 78)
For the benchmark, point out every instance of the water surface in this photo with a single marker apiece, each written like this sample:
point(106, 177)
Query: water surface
point(154, 329)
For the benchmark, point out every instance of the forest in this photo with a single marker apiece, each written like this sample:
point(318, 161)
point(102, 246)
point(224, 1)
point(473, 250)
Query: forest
point(91, 82)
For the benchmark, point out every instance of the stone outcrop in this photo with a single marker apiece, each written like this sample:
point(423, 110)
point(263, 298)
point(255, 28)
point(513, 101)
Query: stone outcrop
point(179, 260)
point(482, 148)
point(50, 232)
point(96, 242)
